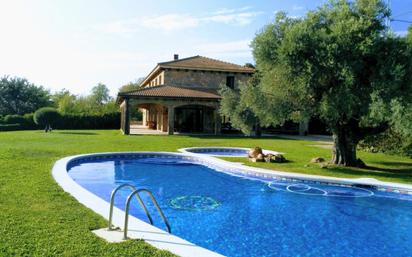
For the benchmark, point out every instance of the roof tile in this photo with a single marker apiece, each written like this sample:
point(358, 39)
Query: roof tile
point(205, 63)
point(173, 91)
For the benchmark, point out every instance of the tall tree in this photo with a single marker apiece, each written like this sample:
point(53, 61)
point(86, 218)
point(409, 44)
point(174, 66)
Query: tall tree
point(100, 94)
point(18, 96)
point(133, 85)
point(339, 63)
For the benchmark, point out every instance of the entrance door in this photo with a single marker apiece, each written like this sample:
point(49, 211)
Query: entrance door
point(189, 119)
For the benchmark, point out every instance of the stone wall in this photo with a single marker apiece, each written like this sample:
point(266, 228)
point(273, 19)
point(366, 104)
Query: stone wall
point(207, 79)
point(158, 80)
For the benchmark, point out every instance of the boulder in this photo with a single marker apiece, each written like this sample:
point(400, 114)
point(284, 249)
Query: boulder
point(254, 152)
point(278, 158)
point(260, 157)
point(268, 157)
point(317, 160)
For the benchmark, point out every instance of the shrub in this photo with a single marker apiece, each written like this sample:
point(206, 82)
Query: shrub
point(10, 127)
point(65, 121)
point(29, 121)
point(105, 121)
point(14, 119)
point(46, 116)
point(390, 142)
point(25, 121)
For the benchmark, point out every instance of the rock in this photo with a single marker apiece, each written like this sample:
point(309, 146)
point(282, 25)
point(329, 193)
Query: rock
point(260, 157)
point(323, 165)
point(254, 152)
point(256, 160)
point(278, 158)
point(268, 157)
point(317, 160)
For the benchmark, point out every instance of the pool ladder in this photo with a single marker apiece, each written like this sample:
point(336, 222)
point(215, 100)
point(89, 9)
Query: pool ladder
point(135, 192)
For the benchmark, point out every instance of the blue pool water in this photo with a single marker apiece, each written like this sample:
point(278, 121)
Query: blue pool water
point(219, 151)
point(237, 216)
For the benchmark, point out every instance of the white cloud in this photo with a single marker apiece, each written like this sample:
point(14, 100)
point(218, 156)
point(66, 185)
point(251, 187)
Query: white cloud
point(297, 8)
point(170, 22)
point(243, 18)
point(238, 48)
point(226, 11)
point(401, 33)
point(174, 21)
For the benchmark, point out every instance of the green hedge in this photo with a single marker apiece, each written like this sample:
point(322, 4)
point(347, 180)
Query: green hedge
point(66, 121)
point(106, 121)
point(10, 127)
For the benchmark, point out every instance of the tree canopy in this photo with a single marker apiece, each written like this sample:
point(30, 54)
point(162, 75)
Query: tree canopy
point(133, 85)
point(339, 63)
point(18, 96)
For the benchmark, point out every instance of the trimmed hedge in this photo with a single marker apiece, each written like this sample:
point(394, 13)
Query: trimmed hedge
point(25, 121)
point(10, 127)
point(47, 116)
point(66, 121)
point(106, 121)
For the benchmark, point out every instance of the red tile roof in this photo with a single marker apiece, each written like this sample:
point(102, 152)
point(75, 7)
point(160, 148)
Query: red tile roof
point(173, 92)
point(204, 63)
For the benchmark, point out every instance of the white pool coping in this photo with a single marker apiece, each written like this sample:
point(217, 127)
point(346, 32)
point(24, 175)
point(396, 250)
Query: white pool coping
point(187, 150)
point(138, 229)
point(156, 237)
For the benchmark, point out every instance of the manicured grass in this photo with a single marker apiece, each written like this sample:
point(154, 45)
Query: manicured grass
point(38, 219)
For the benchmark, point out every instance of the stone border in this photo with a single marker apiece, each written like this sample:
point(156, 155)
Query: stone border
point(139, 229)
point(204, 150)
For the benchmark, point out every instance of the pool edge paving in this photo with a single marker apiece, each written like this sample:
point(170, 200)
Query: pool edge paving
point(139, 229)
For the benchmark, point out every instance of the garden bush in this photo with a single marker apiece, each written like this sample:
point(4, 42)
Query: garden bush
point(46, 116)
point(14, 119)
point(64, 121)
point(390, 142)
point(10, 127)
point(104, 121)
point(24, 121)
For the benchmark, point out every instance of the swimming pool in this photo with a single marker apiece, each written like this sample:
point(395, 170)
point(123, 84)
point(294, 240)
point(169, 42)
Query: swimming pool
point(221, 151)
point(234, 213)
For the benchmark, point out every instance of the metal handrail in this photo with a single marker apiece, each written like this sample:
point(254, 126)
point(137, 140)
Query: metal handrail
point(113, 194)
point(126, 218)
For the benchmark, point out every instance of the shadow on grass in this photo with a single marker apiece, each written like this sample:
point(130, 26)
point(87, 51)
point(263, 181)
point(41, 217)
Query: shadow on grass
point(404, 174)
point(397, 164)
point(229, 136)
point(77, 133)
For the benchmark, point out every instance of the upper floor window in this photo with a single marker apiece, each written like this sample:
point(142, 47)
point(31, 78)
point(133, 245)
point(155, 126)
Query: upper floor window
point(230, 81)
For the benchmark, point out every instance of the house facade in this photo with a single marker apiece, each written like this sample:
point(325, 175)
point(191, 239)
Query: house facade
point(182, 95)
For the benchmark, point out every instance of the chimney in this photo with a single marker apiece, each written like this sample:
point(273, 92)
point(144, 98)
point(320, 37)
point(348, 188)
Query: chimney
point(176, 57)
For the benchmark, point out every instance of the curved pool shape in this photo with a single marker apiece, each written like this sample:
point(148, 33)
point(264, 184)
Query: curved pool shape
point(221, 151)
point(233, 213)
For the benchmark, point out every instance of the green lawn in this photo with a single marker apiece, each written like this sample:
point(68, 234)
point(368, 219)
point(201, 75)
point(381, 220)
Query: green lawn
point(38, 219)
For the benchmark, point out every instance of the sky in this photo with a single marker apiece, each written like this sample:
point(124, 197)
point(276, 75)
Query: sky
point(75, 44)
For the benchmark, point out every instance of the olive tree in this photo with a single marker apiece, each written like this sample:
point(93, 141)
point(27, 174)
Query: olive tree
point(338, 62)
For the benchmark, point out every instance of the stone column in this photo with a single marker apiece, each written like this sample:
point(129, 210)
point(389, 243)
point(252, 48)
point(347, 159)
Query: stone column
point(144, 118)
point(171, 119)
point(218, 121)
point(126, 117)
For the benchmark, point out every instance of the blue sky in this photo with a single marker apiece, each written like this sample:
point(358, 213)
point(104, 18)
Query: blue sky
point(76, 44)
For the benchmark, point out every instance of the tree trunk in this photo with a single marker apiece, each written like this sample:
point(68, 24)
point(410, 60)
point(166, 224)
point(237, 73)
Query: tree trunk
point(258, 129)
point(344, 148)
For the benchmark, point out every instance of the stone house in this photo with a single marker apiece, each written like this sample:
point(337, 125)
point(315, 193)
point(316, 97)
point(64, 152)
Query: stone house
point(182, 95)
